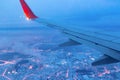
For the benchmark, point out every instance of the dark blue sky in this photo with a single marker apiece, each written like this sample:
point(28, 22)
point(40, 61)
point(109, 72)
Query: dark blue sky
point(96, 11)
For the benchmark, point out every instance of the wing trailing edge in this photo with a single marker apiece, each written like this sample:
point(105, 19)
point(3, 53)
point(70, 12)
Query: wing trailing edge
point(69, 43)
point(27, 11)
point(104, 60)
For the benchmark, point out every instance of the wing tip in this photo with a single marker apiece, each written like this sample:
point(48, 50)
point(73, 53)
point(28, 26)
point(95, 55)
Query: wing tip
point(27, 11)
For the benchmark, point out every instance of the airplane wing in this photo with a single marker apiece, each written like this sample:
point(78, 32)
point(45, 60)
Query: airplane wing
point(107, 44)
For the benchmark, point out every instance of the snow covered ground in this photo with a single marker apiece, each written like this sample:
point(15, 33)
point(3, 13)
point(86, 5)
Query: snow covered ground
point(33, 54)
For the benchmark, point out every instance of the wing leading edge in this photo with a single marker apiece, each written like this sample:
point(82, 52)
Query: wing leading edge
point(110, 49)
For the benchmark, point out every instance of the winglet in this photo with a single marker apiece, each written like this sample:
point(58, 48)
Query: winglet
point(28, 12)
